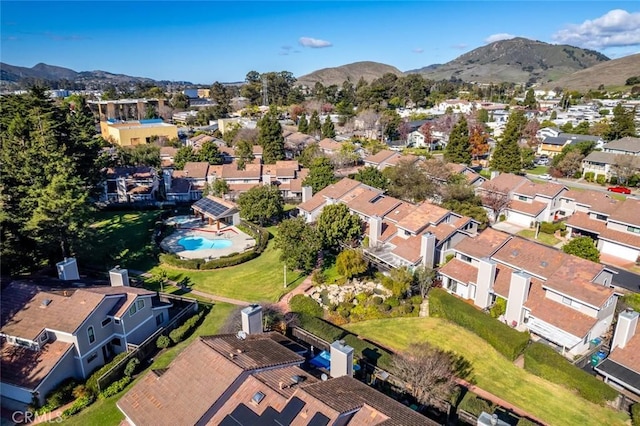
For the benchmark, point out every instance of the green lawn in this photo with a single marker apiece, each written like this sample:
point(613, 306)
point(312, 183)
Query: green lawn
point(543, 238)
point(550, 402)
point(104, 411)
point(260, 279)
point(121, 238)
point(538, 170)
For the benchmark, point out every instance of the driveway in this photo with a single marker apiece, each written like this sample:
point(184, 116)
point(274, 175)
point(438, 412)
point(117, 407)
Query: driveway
point(507, 227)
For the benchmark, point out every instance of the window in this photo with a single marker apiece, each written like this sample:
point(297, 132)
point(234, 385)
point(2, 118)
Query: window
point(106, 321)
point(132, 310)
point(140, 304)
point(116, 342)
point(633, 229)
point(91, 334)
point(44, 337)
point(601, 217)
point(116, 321)
point(465, 258)
point(566, 301)
point(92, 357)
point(160, 318)
point(23, 342)
point(522, 198)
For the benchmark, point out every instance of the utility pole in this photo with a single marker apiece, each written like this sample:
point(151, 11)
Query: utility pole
point(285, 274)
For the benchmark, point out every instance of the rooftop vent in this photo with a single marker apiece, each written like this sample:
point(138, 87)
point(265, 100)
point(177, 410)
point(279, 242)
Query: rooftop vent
point(46, 302)
point(544, 263)
point(515, 252)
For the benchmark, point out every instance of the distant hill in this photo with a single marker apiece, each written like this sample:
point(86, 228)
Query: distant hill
point(337, 75)
point(611, 73)
point(518, 60)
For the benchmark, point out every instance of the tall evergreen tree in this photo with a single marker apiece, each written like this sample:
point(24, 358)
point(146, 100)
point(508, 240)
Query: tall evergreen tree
point(303, 124)
point(506, 157)
point(314, 127)
point(622, 124)
point(270, 137)
point(458, 148)
point(530, 100)
point(328, 129)
point(321, 174)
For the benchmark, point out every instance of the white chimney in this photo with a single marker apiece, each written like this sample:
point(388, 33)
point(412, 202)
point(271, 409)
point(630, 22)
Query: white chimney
point(341, 359)
point(166, 174)
point(625, 329)
point(68, 269)
point(375, 230)
point(518, 293)
point(494, 174)
point(484, 282)
point(252, 319)
point(428, 249)
point(307, 193)
point(119, 277)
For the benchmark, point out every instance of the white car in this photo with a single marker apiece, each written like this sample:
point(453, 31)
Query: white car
point(546, 176)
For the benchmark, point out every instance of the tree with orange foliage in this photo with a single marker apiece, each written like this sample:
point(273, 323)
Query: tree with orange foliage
point(479, 141)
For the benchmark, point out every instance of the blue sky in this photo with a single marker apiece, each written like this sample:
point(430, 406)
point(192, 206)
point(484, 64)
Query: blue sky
point(207, 41)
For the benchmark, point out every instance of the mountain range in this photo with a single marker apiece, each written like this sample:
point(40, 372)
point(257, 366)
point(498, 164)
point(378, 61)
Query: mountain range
point(518, 60)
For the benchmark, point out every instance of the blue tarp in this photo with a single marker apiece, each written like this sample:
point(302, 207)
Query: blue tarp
point(322, 360)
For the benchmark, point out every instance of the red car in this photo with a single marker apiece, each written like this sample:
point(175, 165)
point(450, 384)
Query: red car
point(619, 189)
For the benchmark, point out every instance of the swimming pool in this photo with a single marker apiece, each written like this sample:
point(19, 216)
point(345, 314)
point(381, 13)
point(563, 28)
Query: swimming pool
point(200, 243)
point(183, 220)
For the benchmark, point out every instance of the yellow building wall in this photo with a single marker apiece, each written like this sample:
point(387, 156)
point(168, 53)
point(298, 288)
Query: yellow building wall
point(226, 124)
point(129, 135)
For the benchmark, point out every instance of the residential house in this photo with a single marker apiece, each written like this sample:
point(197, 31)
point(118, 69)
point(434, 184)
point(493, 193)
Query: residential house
point(239, 180)
point(433, 165)
point(329, 147)
point(130, 184)
point(195, 174)
point(560, 298)
point(49, 334)
point(258, 381)
point(287, 176)
point(295, 142)
point(529, 202)
point(621, 369)
point(387, 158)
point(229, 153)
point(605, 162)
point(553, 145)
point(167, 154)
point(140, 132)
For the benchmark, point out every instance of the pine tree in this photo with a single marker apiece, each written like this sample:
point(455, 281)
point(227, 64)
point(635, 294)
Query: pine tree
point(622, 124)
point(328, 129)
point(314, 124)
point(458, 148)
point(303, 124)
point(270, 137)
point(530, 100)
point(507, 156)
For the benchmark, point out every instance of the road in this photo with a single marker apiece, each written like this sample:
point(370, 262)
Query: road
point(580, 184)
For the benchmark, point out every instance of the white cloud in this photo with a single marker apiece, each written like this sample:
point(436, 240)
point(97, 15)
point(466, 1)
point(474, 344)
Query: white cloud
point(615, 28)
point(418, 50)
point(497, 37)
point(314, 42)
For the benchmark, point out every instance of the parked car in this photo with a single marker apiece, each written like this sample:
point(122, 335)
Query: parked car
point(619, 189)
point(546, 176)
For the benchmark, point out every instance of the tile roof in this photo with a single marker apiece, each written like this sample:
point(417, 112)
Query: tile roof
point(196, 169)
point(629, 356)
point(504, 182)
point(460, 271)
point(627, 213)
point(26, 368)
point(335, 191)
point(484, 244)
point(254, 352)
point(25, 314)
point(582, 221)
point(381, 157)
point(597, 201)
point(328, 144)
point(531, 209)
point(546, 189)
point(407, 249)
point(529, 256)
point(563, 317)
point(502, 283)
point(423, 215)
point(370, 203)
point(394, 161)
point(399, 212)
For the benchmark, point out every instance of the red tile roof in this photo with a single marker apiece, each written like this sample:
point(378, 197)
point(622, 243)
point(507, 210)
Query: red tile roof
point(26, 368)
point(370, 203)
point(483, 244)
point(423, 215)
point(196, 169)
point(532, 209)
point(460, 271)
point(335, 191)
point(408, 249)
point(629, 356)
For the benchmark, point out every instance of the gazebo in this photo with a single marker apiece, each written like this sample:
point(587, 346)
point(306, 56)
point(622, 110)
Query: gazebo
point(216, 210)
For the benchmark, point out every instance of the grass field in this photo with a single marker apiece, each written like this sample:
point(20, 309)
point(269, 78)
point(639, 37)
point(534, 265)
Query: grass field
point(550, 402)
point(260, 279)
point(538, 170)
point(104, 411)
point(121, 238)
point(543, 238)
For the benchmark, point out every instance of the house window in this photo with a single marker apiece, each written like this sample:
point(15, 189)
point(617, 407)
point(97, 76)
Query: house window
point(106, 321)
point(160, 318)
point(522, 198)
point(140, 304)
point(116, 321)
point(601, 217)
point(407, 232)
point(465, 258)
point(44, 337)
point(23, 342)
point(91, 334)
point(566, 301)
point(453, 285)
point(633, 229)
point(116, 342)
point(92, 357)
point(132, 310)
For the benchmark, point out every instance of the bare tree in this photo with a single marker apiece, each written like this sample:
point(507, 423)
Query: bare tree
point(497, 200)
point(423, 278)
point(428, 372)
point(369, 120)
point(625, 166)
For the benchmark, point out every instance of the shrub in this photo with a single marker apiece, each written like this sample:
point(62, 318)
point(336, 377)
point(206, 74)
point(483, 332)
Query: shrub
point(376, 300)
point(635, 414)
point(498, 308)
point(407, 308)
point(502, 218)
point(318, 277)
point(131, 367)
point(601, 179)
point(393, 302)
point(385, 307)
point(59, 396)
point(92, 381)
point(472, 403)
point(416, 300)
point(180, 333)
point(589, 176)
point(613, 180)
point(543, 361)
point(163, 342)
point(79, 405)
point(306, 305)
point(506, 340)
point(116, 387)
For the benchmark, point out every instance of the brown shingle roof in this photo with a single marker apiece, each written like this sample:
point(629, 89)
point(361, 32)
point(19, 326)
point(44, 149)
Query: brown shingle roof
point(26, 368)
point(381, 157)
point(423, 215)
point(460, 271)
point(532, 257)
point(408, 249)
point(629, 356)
point(532, 209)
point(504, 182)
point(254, 352)
point(483, 244)
point(370, 203)
point(399, 212)
point(596, 201)
point(196, 169)
point(582, 221)
point(335, 191)
point(546, 189)
point(627, 213)
point(328, 144)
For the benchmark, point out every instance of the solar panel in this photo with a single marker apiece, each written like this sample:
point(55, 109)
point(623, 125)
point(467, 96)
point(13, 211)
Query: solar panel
point(291, 410)
point(228, 421)
point(211, 207)
point(244, 416)
point(319, 419)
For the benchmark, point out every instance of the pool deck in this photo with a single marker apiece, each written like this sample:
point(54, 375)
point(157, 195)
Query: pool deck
point(240, 242)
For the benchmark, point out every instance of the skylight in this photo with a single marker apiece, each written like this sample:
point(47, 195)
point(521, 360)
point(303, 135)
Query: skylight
point(258, 397)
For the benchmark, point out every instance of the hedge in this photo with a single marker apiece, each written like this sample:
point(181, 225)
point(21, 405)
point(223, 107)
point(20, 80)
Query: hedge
point(506, 340)
point(261, 236)
point(79, 405)
point(116, 387)
point(92, 381)
point(472, 403)
point(635, 414)
point(545, 362)
point(178, 334)
point(62, 394)
point(306, 305)
point(329, 332)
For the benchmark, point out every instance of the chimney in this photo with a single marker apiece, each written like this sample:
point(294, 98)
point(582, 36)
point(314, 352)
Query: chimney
point(68, 269)
point(252, 319)
point(119, 277)
point(518, 293)
point(484, 282)
point(341, 359)
point(166, 174)
point(494, 174)
point(307, 193)
point(375, 230)
point(625, 329)
point(428, 249)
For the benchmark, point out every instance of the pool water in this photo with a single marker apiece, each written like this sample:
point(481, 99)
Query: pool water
point(201, 243)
